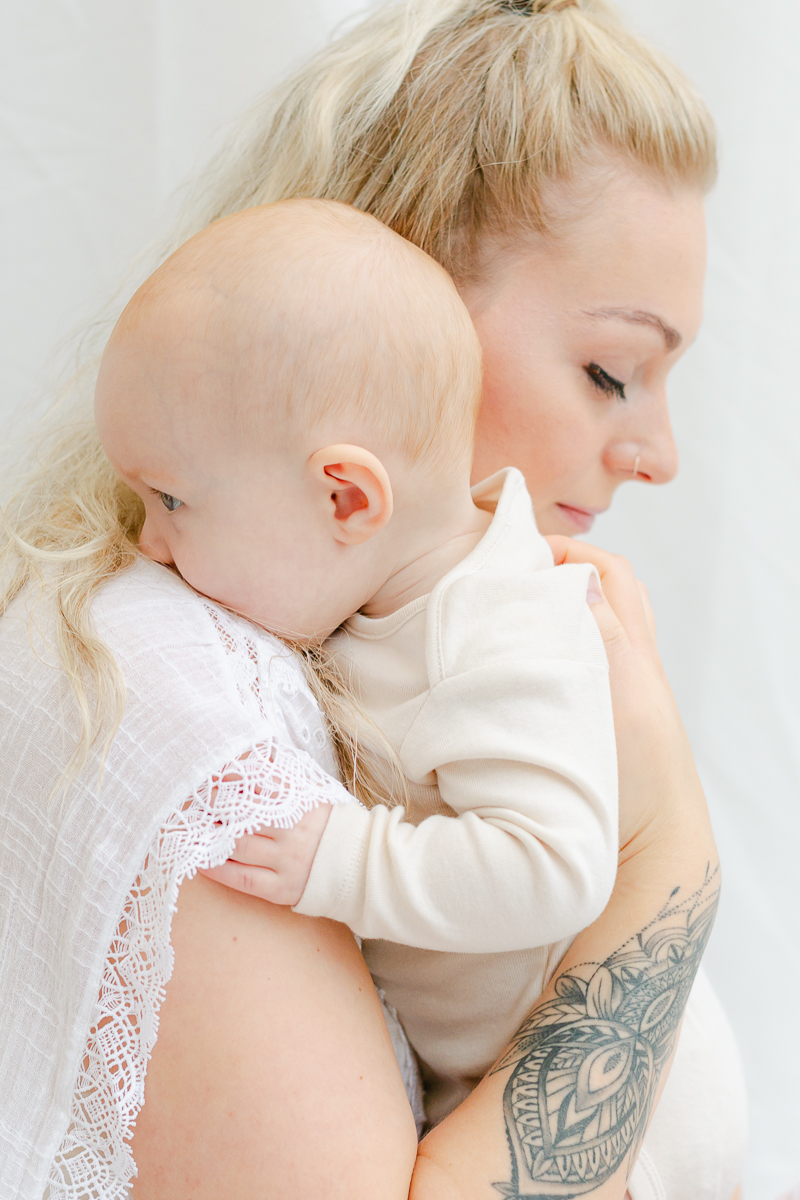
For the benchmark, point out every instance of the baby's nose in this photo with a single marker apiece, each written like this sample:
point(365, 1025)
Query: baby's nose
point(153, 544)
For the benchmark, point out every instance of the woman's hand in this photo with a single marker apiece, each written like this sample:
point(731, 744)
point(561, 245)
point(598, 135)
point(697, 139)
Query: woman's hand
point(657, 776)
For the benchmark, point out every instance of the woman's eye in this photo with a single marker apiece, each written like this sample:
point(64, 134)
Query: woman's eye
point(170, 503)
point(604, 382)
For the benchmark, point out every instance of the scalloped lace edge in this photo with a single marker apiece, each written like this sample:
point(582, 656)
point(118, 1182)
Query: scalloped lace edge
point(270, 784)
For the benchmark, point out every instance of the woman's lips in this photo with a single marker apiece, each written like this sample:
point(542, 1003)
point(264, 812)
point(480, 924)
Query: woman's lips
point(581, 519)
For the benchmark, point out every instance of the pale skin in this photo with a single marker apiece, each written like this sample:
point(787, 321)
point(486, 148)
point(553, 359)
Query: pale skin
point(620, 289)
point(546, 351)
point(194, 415)
point(214, 1119)
point(350, 529)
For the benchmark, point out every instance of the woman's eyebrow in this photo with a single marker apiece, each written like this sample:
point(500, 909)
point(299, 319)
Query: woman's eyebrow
point(637, 317)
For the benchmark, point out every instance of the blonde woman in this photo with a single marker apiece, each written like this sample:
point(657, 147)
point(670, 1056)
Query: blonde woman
point(556, 167)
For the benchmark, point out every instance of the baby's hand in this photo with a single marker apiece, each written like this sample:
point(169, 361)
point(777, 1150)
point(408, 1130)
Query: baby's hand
point(274, 864)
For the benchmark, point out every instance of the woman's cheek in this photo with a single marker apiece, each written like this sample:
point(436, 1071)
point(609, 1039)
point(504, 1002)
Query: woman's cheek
point(508, 428)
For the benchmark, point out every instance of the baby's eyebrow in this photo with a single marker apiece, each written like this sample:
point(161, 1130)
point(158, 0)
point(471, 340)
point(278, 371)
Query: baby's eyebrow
point(638, 317)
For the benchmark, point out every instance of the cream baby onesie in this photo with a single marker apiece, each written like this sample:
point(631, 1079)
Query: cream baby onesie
point(493, 693)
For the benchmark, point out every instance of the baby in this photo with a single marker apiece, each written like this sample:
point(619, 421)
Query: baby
point(293, 396)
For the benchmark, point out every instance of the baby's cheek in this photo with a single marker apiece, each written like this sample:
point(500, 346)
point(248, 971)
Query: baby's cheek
point(226, 578)
point(212, 580)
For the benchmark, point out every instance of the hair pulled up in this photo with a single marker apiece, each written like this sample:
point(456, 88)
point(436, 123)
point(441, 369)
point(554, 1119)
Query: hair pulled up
point(528, 7)
point(443, 119)
point(447, 117)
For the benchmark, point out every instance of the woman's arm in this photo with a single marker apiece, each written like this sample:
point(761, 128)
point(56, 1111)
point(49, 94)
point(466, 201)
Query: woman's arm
point(273, 1074)
point(565, 1110)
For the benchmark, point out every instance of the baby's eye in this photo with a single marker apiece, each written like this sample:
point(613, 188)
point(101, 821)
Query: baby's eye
point(170, 502)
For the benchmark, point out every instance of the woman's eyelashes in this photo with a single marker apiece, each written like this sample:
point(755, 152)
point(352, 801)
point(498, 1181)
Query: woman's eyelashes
point(170, 502)
point(604, 382)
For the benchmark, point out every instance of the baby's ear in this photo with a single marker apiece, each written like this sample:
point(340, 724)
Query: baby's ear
point(358, 494)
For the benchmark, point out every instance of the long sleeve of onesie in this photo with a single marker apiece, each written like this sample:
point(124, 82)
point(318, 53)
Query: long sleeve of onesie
point(515, 730)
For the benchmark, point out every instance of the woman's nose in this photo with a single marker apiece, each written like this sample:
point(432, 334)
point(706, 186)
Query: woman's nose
point(646, 450)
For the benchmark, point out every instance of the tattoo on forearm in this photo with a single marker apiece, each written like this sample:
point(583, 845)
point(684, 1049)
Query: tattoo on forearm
point(588, 1062)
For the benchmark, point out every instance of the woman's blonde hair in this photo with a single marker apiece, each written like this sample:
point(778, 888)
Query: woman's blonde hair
point(445, 119)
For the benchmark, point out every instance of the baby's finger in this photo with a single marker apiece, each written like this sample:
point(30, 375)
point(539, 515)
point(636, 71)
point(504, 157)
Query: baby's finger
point(254, 881)
point(274, 832)
point(256, 851)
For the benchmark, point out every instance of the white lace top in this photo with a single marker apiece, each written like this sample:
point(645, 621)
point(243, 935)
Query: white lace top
point(220, 734)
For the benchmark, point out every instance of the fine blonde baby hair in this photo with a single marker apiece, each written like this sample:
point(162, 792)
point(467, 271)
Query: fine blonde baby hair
point(340, 325)
point(443, 119)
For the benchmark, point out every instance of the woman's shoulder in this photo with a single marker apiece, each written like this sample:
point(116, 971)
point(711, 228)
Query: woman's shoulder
point(159, 627)
point(210, 746)
point(166, 634)
point(194, 673)
point(149, 609)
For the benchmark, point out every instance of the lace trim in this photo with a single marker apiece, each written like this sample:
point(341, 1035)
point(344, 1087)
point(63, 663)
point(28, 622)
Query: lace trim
point(271, 784)
point(266, 671)
point(239, 643)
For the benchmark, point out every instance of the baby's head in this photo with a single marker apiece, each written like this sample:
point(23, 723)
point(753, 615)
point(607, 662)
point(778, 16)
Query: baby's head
point(293, 396)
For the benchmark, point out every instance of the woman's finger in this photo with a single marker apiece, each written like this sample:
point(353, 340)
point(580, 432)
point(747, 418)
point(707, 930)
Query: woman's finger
point(648, 609)
point(566, 549)
point(620, 654)
point(620, 585)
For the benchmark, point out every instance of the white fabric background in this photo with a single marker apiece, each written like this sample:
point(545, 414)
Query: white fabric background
point(105, 108)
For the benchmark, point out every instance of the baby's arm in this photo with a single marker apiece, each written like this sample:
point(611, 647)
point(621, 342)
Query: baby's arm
point(521, 745)
point(487, 880)
point(518, 734)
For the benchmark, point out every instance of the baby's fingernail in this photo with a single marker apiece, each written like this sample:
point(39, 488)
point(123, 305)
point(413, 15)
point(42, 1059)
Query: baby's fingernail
point(594, 593)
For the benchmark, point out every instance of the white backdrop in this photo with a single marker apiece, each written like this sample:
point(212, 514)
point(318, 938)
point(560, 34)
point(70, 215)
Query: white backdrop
point(105, 108)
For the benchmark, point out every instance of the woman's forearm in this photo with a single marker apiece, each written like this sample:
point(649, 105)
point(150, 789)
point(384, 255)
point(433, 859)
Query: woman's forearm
point(565, 1110)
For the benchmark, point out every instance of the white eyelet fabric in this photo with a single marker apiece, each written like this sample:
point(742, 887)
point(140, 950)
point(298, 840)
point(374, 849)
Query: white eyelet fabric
point(220, 735)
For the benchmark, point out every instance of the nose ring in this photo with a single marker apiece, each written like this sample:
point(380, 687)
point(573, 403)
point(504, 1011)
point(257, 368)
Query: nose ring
point(636, 462)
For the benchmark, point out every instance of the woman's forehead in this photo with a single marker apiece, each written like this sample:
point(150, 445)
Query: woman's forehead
point(637, 257)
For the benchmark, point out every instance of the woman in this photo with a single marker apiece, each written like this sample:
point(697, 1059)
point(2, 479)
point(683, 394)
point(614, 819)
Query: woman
point(556, 167)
